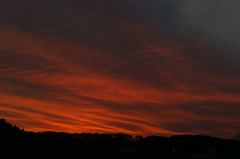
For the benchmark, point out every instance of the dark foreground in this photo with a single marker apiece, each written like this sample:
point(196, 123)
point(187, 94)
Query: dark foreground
point(16, 143)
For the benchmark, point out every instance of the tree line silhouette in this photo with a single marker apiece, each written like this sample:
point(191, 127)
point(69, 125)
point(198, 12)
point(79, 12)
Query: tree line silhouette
point(15, 142)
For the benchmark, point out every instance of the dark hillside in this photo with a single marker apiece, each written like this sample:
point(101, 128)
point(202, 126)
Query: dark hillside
point(15, 142)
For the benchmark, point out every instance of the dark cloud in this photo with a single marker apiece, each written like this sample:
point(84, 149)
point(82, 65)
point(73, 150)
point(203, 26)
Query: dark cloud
point(23, 61)
point(206, 117)
point(111, 34)
point(126, 126)
point(212, 109)
point(11, 114)
point(201, 127)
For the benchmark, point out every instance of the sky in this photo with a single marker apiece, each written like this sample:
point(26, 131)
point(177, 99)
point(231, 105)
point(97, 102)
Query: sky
point(138, 67)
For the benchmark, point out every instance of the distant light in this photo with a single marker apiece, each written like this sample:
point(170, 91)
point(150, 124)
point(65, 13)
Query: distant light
point(173, 150)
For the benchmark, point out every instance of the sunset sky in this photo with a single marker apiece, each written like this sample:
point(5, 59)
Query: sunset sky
point(138, 67)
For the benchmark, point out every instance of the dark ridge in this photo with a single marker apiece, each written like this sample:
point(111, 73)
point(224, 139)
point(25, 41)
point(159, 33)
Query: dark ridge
point(17, 143)
point(237, 137)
